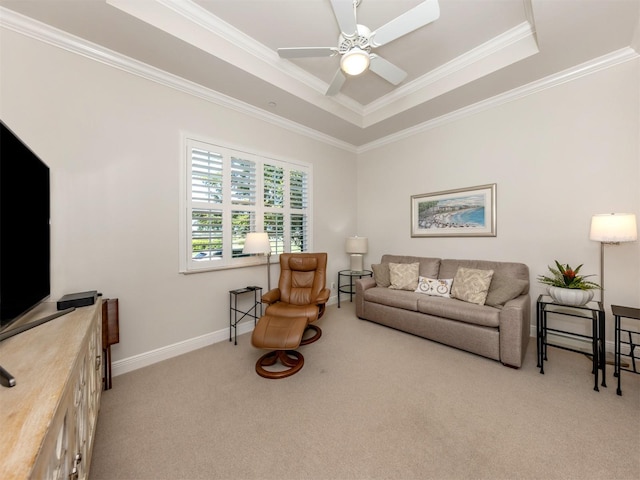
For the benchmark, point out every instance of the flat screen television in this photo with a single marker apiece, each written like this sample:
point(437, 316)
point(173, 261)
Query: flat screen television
point(24, 228)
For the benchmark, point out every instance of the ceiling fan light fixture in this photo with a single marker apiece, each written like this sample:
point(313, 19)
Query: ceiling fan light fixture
point(355, 61)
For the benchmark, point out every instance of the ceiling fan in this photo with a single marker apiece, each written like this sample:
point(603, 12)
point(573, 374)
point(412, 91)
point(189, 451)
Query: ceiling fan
point(356, 42)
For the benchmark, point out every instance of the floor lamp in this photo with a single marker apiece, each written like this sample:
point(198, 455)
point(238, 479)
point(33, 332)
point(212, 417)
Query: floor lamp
point(258, 242)
point(611, 229)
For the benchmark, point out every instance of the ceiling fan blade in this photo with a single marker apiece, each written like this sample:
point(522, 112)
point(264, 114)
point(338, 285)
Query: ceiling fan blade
point(336, 83)
point(300, 52)
point(417, 17)
point(386, 69)
point(345, 13)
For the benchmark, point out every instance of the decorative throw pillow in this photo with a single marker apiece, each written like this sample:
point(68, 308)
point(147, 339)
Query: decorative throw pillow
point(439, 287)
point(471, 285)
point(381, 274)
point(503, 289)
point(404, 276)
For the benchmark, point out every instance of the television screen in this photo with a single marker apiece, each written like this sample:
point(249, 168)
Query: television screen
point(24, 228)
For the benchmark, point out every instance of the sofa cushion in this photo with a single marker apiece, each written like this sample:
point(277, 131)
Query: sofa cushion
point(459, 310)
point(471, 285)
point(429, 267)
point(404, 276)
point(433, 286)
point(381, 274)
point(503, 289)
point(393, 298)
point(449, 267)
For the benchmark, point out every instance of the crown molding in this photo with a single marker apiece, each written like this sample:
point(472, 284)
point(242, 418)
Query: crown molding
point(512, 46)
point(52, 36)
point(60, 39)
point(601, 63)
point(197, 26)
point(211, 22)
point(215, 25)
point(507, 48)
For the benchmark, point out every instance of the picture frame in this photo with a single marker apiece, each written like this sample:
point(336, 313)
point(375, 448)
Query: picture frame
point(463, 212)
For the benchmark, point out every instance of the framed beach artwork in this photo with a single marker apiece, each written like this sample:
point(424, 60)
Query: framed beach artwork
point(465, 212)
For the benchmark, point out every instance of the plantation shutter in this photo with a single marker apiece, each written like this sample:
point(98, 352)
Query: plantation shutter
point(206, 176)
point(228, 194)
point(298, 201)
point(243, 182)
point(207, 198)
point(274, 226)
point(273, 186)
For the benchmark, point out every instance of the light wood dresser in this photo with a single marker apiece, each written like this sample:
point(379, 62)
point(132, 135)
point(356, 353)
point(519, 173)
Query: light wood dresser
point(48, 419)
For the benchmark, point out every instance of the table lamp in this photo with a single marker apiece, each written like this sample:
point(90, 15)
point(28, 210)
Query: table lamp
point(356, 246)
point(611, 229)
point(258, 242)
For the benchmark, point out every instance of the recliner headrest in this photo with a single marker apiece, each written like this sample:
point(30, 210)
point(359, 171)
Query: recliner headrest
point(303, 264)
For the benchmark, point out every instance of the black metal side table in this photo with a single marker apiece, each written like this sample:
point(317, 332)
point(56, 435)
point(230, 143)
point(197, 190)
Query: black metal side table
point(251, 312)
point(350, 275)
point(592, 311)
point(634, 341)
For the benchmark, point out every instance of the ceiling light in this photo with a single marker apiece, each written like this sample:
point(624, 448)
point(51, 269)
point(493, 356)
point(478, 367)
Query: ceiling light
point(355, 61)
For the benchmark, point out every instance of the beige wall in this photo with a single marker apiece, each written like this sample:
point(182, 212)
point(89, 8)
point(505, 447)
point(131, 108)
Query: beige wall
point(557, 156)
point(112, 141)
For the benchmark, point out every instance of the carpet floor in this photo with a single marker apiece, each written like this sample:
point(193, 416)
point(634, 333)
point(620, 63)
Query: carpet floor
point(370, 403)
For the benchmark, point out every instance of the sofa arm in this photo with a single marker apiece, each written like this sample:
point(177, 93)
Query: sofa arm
point(362, 284)
point(515, 330)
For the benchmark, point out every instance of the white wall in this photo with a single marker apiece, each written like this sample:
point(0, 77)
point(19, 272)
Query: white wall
point(112, 141)
point(557, 157)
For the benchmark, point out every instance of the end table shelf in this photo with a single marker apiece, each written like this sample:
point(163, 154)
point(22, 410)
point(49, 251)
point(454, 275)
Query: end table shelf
point(350, 275)
point(236, 314)
point(632, 340)
point(593, 312)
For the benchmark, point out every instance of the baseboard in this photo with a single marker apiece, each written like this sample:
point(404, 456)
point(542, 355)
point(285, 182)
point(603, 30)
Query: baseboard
point(154, 356)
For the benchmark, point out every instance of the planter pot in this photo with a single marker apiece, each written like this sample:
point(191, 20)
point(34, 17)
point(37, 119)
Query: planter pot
point(570, 296)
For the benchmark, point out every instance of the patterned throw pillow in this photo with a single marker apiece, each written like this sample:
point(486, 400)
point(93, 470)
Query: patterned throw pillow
point(471, 285)
point(404, 276)
point(439, 287)
point(381, 274)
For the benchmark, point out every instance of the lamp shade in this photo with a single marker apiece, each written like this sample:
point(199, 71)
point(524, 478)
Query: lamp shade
point(257, 242)
point(613, 227)
point(356, 245)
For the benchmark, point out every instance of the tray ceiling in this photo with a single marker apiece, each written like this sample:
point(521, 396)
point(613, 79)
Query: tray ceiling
point(474, 52)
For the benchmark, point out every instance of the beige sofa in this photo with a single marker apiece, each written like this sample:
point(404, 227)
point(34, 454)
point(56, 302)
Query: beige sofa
point(497, 329)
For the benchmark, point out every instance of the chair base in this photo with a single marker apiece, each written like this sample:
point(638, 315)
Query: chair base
point(288, 358)
point(314, 337)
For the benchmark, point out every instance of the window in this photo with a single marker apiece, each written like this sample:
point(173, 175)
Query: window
point(229, 193)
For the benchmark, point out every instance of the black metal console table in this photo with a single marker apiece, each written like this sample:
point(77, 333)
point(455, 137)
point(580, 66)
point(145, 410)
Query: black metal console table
point(592, 311)
point(251, 312)
point(634, 341)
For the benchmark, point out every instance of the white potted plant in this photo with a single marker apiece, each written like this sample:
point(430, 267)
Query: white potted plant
point(567, 287)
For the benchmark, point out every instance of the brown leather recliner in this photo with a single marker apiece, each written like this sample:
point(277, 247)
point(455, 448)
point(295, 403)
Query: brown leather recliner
point(301, 290)
point(299, 299)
